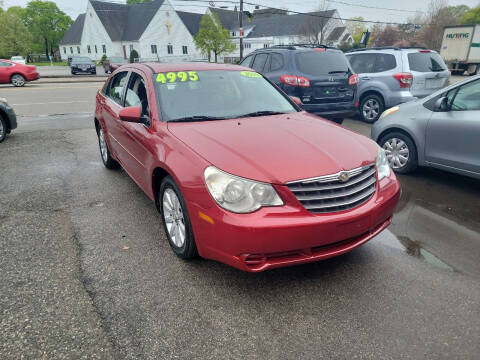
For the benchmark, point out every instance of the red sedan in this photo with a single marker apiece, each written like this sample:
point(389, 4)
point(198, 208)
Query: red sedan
point(16, 74)
point(238, 172)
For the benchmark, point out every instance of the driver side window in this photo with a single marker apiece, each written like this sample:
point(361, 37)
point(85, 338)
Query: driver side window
point(137, 96)
point(466, 98)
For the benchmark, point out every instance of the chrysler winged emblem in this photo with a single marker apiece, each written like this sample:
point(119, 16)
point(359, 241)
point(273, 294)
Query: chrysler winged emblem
point(343, 176)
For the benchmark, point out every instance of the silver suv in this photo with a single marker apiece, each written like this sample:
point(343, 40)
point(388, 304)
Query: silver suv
point(390, 76)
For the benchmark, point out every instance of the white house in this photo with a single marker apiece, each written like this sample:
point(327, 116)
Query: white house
point(271, 27)
point(154, 29)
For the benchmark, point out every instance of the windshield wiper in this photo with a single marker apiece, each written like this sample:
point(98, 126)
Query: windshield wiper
point(338, 72)
point(261, 113)
point(196, 118)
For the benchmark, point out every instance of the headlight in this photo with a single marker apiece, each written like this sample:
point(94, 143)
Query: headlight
point(383, 168)
point(389, 111)
point(237, 194)
point(4, 101)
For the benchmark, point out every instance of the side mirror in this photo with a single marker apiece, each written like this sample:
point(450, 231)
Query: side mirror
point(131, 114)
point(441, 104)
point(296, 100)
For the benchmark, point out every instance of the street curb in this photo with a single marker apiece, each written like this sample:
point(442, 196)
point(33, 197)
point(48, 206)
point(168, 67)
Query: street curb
point(70, 81)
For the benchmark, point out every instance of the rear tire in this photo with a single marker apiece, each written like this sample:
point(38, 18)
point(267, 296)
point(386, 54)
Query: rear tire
point(108, 161)
point(18, 80)
point(371, 108)
point(176, 221)
point(401, 152)
point(3, 129)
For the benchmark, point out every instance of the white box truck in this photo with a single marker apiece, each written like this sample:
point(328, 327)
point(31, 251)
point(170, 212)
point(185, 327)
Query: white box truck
point(461, 48)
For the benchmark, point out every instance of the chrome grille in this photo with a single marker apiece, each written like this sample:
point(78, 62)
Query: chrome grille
point(329, 193)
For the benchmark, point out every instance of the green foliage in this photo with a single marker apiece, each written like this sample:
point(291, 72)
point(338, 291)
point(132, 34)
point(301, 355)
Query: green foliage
point(47, 23)
point(130, 2)
point(133, 56)
point(104, 57)
point(356, 28)
point(346, 46)
point(471, 17)
point(15, 39)
point(212, 37)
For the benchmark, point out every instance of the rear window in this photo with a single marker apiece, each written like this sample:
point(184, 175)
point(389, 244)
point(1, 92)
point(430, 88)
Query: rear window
point(426, 62)
point(321, 62)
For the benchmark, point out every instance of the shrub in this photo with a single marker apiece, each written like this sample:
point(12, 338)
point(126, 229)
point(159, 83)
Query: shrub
point(133, 56)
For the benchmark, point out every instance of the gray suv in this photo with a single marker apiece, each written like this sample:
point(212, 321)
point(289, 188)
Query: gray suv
point(391, 75)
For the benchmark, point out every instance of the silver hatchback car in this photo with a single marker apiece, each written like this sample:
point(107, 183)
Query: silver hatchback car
point(442, 131)
point(390, 76)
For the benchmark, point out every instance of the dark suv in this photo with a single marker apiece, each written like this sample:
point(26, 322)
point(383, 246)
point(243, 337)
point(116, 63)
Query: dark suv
point(320, 76)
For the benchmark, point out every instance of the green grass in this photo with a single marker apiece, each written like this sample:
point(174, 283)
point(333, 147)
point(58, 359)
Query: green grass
point(60, 63)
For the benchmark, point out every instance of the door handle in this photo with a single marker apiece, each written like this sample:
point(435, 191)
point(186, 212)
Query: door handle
point(364, 78)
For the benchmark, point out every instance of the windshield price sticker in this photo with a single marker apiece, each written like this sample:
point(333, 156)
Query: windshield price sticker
point(250, 74)
point(180, 76)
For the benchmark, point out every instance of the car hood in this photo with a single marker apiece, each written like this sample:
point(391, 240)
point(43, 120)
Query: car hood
point(277, 149)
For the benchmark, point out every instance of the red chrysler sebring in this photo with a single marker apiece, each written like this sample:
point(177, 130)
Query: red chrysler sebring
point(16, 74)
point(238, 172)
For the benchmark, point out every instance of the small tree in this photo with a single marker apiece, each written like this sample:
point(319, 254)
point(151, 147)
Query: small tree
point(212, 37)
point(471, 17)
point(133, 56)
point(15, 39)
point(102, 60)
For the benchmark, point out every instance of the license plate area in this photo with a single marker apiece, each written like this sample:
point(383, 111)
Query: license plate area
point(434, 83)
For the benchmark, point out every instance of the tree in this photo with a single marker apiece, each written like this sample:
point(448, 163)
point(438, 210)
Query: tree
point(133, 56)
point(130, 2)
point(212, 37)
point(47, 23)
point(314, 26)
point(356, 28)
point(471, 16)
point(15, 39)
point(384, 36)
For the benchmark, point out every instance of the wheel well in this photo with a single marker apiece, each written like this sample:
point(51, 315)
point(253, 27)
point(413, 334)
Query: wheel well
point(158, 175)
point(401, 131)
point(16, 74)
point(372, 92)
point(5, 117)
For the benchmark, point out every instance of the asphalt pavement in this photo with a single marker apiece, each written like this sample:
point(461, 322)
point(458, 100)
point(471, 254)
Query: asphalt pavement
point(88, 273)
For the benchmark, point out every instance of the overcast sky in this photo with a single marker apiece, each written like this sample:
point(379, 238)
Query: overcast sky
point(75, 7)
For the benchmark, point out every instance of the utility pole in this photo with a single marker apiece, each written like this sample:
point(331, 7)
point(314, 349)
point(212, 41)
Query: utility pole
point(241, 30)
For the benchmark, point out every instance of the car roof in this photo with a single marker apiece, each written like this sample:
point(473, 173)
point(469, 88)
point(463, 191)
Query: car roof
point(193, 66)
point(389, 49)
point(277, 48)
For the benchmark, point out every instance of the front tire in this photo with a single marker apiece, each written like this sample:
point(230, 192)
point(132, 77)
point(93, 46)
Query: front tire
point(371, 108)
point(401, 152)
point(18, 80)
point(108, 161)
point(176, 221)
point(3, 129)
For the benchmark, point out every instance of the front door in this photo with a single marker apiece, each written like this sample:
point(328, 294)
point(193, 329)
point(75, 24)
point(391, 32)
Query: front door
point(452, 139)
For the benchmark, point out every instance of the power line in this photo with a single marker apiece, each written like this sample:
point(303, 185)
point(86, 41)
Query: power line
point(372, 7)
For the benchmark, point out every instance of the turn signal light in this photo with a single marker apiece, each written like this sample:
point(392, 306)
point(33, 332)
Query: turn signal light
point(294, 80)
point(405, 79)
point(353, 80)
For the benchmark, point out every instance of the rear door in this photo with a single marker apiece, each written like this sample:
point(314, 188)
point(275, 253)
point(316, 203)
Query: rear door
point(453, 136)
point(328, 72)
point(429, 72)
point(5, 72)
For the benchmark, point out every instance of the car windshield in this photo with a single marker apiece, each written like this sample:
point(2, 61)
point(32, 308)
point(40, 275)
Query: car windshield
point(213, 95)
point(426, 62)
point(82, 60)
point(321, 62)
point(117, 60)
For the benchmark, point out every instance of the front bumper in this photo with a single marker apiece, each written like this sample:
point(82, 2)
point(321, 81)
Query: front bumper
point(290, 235)
point(89, 70)
point(32, 76)
point(11, 118)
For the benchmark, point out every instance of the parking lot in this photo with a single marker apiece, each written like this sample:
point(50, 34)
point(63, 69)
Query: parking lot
point(87, 271)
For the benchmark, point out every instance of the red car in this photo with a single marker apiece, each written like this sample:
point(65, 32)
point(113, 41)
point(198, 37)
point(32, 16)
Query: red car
point(16, 74)
point(238, 172)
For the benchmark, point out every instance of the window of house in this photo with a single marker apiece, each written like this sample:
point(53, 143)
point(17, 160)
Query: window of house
point(78, 49)
point(96, 50)
point(170, 49)
point(131, 47)
point(265, 46)
point(104, 48)
point(115, 88)
point(89, 50)
point(71, 50)
point(154, 49)
point(64, 50)
point(137, 96)
point(247, 45)
point(233, 33)
point(184, 49)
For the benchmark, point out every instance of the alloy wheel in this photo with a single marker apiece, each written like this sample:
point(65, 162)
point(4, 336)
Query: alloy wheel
point(371, 109)
point(18, 80)
point(174, 218)
point(397, 152)
point(2, 130)
point(103, 145)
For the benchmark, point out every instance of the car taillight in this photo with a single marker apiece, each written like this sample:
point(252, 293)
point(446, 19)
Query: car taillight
point(294, 80)
point(320, 49)
point(353, 80)
point(405, 79)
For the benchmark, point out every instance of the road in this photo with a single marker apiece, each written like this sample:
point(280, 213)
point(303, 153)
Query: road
point(87, 271)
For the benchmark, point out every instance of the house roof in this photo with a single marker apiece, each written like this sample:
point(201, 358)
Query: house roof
point(345, 38)
point(228, 18)
point(281, 25)
point(336, 33)
point(73, 36)
point(191, 21)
